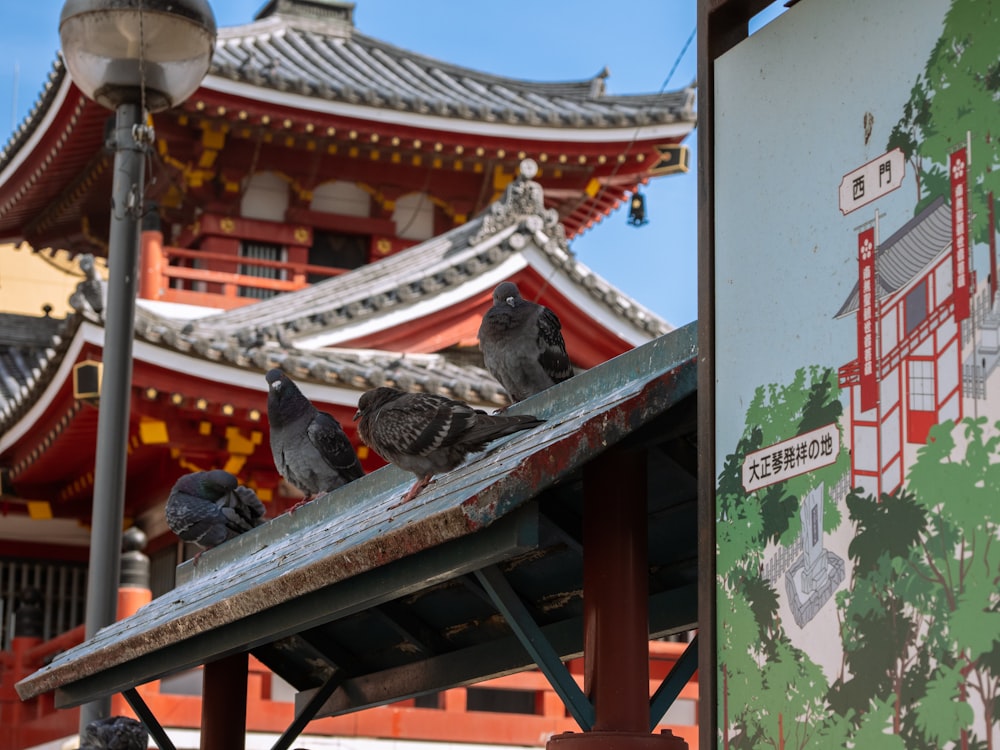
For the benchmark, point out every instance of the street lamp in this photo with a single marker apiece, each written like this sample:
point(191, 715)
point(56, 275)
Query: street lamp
point(135, 57)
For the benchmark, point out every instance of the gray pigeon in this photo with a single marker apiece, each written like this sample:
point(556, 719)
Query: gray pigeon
point(211, 507)
point(522, 344)
point(426, 433)
point(114, 733)
point(310, 449)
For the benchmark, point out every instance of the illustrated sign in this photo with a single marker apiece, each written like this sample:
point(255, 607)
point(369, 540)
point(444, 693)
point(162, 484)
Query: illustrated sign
point(871, 181)
point(791, 458)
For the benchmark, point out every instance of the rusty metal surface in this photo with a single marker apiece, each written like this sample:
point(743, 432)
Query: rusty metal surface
point(357, 583)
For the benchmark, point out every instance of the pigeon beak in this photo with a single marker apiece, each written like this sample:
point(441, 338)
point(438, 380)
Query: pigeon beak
point(357, 415)
point(510, 301)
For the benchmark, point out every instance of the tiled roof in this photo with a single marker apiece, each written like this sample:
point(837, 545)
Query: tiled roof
point(27, 343)
point(264, 335)
point(907, 252)
point(27, 367)
point(518, 221)
point(293, 48)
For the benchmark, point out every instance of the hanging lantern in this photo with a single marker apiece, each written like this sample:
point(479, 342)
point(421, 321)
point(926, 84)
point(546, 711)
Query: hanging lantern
point(637, 210)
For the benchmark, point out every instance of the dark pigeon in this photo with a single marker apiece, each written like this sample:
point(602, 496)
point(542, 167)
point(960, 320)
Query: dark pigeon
point(310, 449)
point(211, 507)
point(114, 733)
point(522, 344)
point(429, 434)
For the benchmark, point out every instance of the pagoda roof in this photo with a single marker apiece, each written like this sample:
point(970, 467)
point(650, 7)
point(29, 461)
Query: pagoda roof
point(313, 49)
point(369, 304)
point(367, 327)
point(305, 73)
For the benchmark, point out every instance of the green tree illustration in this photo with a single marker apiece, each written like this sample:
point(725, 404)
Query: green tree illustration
point(879, 627)
point(771, 693)
point(957, 94)
point(955, 582)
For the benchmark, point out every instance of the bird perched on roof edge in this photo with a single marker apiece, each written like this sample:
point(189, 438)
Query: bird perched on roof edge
point(522, 344)
point(310, 449)
point(211, 507)
point(426, 433)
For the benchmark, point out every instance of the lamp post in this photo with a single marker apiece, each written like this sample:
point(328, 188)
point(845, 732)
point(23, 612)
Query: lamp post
point(134, 57)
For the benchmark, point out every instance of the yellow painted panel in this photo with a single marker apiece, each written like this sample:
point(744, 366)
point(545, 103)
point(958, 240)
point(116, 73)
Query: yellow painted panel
point(39, 510)
point(153, 432)
point(237, 443)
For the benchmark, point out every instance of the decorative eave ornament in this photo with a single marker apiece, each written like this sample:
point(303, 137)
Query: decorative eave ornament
point(523, 200)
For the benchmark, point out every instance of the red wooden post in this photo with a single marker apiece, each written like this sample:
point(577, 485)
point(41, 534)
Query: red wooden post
point(616, 609)
point(151, 264)
point(224, 703)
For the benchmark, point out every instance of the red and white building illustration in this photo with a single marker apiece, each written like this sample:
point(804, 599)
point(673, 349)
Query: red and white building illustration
point(907, 376)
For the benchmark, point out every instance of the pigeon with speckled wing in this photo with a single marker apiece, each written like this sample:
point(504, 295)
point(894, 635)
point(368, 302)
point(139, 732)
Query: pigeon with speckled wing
point(114, 733)
point(427, 434)
point(522, 344)
point(211, 507)
point(310, 449)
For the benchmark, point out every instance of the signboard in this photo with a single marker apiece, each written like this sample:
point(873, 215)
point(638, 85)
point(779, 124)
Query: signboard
point(856, 379)
point(791, 458)
point(871, 181)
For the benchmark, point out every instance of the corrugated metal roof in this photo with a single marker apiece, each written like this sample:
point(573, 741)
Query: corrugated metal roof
point(380, 593)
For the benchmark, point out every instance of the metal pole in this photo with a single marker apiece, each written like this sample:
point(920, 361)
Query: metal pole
point(116, 385)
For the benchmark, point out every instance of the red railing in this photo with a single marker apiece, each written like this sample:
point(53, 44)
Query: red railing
point(164, 277)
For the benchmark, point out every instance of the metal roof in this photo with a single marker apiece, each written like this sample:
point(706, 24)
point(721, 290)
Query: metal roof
point(391, 600)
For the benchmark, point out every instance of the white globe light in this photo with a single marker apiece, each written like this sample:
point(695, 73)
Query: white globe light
point(119, 50)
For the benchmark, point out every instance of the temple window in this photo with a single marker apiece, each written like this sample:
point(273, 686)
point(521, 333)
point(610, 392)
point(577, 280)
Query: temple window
point(414, 217)
point(265, 196)
point(344, 198)
point(916, 306)
point(261, 251)
point(921, 385)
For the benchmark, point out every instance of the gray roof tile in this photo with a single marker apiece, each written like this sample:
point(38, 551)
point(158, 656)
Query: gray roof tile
point(907, 252)
point(290, 50)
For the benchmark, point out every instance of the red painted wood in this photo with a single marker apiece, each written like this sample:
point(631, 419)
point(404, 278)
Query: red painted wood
point(223, 704)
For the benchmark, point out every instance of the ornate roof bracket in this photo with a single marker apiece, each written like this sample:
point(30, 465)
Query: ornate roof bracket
point(523, 202)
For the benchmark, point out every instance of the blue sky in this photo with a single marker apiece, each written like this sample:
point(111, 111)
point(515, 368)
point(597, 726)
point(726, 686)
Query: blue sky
point(639, 42)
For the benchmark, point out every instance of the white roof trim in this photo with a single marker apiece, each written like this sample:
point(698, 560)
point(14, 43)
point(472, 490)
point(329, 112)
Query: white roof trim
point(423, 308)
point(41, 130)
point(27, 422)
point(671, 130)
point(235, 376)
point(558, 280)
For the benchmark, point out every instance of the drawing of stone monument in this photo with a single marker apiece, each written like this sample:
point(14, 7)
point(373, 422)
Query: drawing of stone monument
point(813, 578)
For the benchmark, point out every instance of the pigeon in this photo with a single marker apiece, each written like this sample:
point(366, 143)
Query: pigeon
point(522, 344)
point(310, 449)
point(211, 507)
point(428, 434)
point(114, 733)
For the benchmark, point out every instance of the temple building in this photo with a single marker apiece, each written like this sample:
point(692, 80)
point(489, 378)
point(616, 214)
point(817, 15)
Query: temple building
point(325, 203)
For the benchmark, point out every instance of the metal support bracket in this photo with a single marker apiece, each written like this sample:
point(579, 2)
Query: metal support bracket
point(533, 640)
point(149, 721)
point(665, 695)
point(308, 712)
